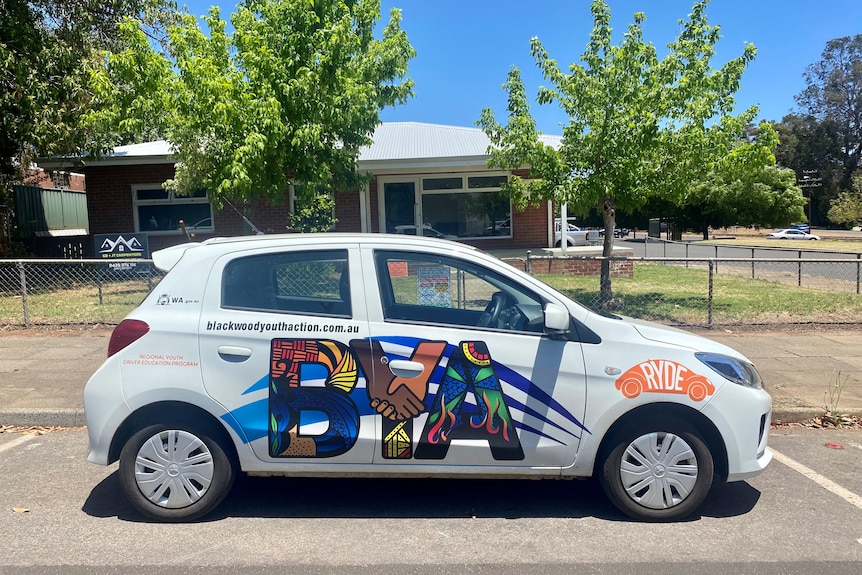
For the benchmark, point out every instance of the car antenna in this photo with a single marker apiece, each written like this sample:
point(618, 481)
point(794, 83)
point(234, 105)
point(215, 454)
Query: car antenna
point(245, 219)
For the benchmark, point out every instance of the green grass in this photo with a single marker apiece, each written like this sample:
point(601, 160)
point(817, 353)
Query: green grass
point(79, 305)
point(679, 295)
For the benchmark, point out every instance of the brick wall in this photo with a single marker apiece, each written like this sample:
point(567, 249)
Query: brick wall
point(109, 194)
point(347, 212)
point(109, 203)
point(580, 267)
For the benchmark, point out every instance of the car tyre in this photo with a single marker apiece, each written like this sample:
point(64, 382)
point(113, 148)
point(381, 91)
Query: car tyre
point(176, 472)
point(657, 471)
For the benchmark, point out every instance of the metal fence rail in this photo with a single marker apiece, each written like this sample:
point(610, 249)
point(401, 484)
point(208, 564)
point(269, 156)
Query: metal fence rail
point(655, 248)
point(703, 292)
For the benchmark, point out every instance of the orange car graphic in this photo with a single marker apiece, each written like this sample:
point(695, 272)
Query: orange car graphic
point(664, 376)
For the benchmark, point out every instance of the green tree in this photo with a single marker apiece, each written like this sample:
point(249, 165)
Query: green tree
point(846, 209)
point(834, 97)
point(48, 50)
point(288, 98)
point(744, 188)
point(812, 147)
point(638, 126)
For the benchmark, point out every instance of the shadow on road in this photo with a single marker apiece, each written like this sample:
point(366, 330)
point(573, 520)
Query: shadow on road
point(417, 498)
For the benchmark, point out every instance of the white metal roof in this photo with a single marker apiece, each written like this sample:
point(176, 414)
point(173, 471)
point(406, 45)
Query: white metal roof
point(396, 144)
point(415, 140)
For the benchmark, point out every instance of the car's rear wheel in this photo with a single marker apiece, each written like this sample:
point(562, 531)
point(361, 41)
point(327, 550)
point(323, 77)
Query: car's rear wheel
point(175, 472)
point(657, 472)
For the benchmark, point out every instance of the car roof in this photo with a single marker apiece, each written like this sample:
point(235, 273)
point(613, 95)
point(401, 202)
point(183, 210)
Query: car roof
point(167, 258)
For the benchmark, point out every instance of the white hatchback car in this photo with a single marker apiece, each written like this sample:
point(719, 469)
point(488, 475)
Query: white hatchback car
point(340, 355)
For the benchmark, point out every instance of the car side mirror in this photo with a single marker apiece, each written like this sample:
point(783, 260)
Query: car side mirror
point(557, 319)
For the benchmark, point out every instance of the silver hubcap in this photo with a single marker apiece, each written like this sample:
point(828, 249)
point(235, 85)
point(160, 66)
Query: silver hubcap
point(658, 470)
point(174, 469)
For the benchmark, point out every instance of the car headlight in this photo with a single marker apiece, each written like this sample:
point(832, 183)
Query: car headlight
point(739, 372)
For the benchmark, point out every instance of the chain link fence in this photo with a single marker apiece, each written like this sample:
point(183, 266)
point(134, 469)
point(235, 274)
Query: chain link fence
point(713, 292)
point(72, 292)
point(694, 291)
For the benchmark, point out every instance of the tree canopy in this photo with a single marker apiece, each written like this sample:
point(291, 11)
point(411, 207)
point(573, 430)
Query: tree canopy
point(287, 98)
point(833, 96)
point(48, 49)
point(639, 126)
point(846, 209)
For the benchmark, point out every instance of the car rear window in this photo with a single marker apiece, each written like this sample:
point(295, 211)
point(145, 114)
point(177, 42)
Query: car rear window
point(315, 282)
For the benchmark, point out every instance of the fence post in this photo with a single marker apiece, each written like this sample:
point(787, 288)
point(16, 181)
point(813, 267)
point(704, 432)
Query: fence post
point(858, 265)
point(686, 254)
point(99, 283)
point(799, 271)
point(752, 263)
point(24, 298)
point(710, 295)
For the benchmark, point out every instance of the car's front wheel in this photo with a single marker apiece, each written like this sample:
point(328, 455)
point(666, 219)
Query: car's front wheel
point(175, 472)
point(657, 472)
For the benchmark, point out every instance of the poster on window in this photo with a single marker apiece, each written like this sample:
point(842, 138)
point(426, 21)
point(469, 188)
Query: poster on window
point(434, 286)
point(120, 250)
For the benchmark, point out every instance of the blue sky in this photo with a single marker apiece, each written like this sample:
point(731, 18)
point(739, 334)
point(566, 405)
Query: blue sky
point(467, 47)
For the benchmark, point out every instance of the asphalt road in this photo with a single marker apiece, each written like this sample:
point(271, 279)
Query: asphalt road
point(60, 514)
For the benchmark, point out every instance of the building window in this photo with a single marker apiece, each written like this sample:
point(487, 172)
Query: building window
point(466, 207)
point(300, 201)
point(159, 211)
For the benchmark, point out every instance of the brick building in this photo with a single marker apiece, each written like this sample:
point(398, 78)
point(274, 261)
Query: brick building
point(427, 178)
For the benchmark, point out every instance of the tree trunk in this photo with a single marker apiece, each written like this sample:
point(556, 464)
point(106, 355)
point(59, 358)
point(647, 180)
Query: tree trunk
point(609, 217)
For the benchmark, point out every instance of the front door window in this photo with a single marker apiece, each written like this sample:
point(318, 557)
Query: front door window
point(399, 205)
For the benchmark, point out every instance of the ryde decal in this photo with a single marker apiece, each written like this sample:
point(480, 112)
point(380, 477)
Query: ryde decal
point(664, 376)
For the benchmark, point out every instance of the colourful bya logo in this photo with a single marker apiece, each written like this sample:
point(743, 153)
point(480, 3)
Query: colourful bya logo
point(664, 376)
point(397, 390)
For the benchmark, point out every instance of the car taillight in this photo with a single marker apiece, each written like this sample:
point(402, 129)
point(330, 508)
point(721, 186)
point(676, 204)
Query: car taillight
point(126, 333)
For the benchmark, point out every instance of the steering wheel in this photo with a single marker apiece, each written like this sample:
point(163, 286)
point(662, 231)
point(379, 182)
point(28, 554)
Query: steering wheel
point(492, 311)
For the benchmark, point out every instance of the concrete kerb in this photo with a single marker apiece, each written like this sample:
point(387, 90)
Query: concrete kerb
point(801, 414)
point(43, 417)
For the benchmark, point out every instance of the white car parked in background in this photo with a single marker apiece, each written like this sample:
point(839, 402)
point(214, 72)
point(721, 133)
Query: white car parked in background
point(791, 234)
point(575, 236)
point(353, 355)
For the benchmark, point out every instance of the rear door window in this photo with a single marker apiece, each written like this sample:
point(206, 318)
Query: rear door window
point(315, 282)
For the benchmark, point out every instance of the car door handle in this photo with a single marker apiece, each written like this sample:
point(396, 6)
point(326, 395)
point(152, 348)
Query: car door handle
point(405, 368)
point(234, 354)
